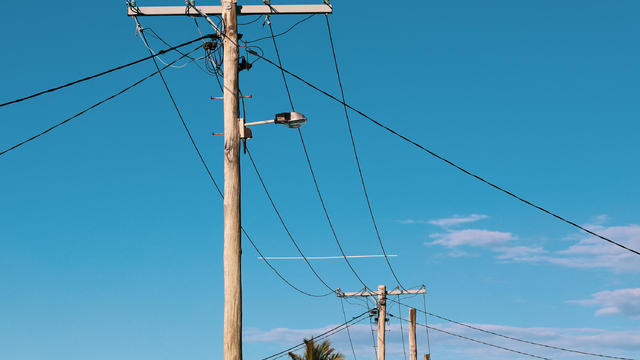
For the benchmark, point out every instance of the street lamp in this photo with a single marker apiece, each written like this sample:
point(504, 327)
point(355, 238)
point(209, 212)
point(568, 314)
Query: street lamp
point(291, 119)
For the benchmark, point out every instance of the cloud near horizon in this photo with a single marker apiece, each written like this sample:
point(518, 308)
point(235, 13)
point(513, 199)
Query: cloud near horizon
point(610, 342)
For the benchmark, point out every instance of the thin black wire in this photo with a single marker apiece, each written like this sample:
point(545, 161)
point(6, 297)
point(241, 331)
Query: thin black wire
point(284, 225)
point(404, 350)
point(449, 162)
point(373, 338)
point(479, 341)
point(105, 72)
point(348, 331)
point(316, 339)
point(252, 21)
point(327, 333)
point(426, 329)
point(517, 339)
point(282, 33)
point(284, 79)
point(157, 36)
point(204, 164)
point(90, 107)
point(311, 171)
point(355, 153)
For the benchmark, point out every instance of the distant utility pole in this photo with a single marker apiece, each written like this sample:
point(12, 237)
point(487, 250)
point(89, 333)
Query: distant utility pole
point(233, 128)
point(382, 311)
point(413, 348)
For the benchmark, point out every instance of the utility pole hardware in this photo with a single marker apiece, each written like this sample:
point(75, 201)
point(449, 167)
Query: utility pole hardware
point(234, 130)
point(382, 311)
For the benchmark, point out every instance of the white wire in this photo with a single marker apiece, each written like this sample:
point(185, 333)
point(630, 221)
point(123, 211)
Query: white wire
point(139, 30)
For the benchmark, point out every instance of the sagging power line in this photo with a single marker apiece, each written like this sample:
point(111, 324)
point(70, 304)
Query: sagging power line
point(514, 338)
point(323, 335)
point(449, 162)
point(108, 71)
point(476, 340)
point(93, 106)
point(310, 167)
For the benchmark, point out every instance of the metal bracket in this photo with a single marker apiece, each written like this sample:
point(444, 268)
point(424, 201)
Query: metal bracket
point(245, 132)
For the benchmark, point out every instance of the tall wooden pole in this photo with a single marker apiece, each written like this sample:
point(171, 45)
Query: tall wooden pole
point(232, 236)
point(382, 314)
point(413, 348)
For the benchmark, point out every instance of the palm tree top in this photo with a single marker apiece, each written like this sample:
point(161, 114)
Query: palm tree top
point(322, 351)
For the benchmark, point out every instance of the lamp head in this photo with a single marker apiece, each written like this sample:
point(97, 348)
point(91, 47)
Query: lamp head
point(291, 119)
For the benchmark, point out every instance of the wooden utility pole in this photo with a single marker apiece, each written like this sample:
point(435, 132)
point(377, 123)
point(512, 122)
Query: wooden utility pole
point(229, 10)
point(413, 348)
point(232, 235)
point(382, 311)
point(382, 320)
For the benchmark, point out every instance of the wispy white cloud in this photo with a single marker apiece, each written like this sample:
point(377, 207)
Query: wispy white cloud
point(586, 252)
point(592, 252)
point(610, 342)
point(518, 253)
point(447, 222)
point(412, 221)
point(471, 237)
point(615, 302)
point(457, 220)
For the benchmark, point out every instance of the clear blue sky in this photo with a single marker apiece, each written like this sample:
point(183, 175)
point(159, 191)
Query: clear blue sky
point(111, 233)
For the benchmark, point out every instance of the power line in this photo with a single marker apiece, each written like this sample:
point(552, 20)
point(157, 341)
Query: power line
point(449, 162)
point(107, 71)
point(478, 341)
point(404, 350)
point(426, 329)
point(284, 225)
point(323, 335)
point(514, 338)
point(91, 107)
point(348, 332)
point(355, 153)
point(373, 337)
point(282, 33)
point(258, 17)
point(310, 166)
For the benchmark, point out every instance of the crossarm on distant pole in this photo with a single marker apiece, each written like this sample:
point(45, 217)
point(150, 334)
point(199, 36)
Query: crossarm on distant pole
point(375, 293)
point(242, 10)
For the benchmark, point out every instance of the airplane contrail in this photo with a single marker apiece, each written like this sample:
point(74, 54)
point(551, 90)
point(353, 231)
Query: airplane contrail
point(320, 257)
